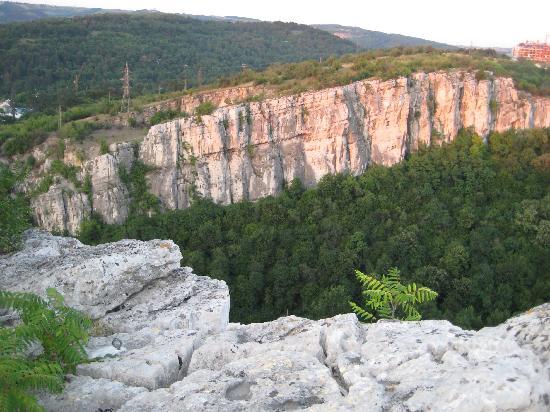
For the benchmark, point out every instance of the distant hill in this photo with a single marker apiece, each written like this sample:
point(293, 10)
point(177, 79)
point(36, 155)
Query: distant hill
point(365, 39)
point(12, 12)
point(370, 39)
point(43, 58)
point(16, 12)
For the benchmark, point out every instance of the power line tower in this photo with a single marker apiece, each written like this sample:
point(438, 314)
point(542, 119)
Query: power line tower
point(76, 80)
point(185, 66)
point(199, 77)
point(126, 89)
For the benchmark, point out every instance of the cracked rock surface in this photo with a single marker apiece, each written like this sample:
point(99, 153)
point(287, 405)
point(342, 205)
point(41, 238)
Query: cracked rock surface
point(166, 345)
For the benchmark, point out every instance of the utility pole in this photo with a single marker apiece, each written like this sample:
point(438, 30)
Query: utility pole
point(60, 118)
point(199, 77)
point(126, 89)
point(185, 66)
point(77, 78)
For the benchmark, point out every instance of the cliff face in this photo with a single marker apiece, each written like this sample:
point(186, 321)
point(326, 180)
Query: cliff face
point(248, 151)
point(178, 352)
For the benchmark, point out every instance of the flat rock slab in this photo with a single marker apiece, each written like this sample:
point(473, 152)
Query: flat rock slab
point(180, 300)
point(273, 380)
point(93, 279)
point(83, 393)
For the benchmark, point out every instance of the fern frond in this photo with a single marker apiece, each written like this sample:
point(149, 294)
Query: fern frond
point(20, 301)
point(411, 312)
point(384, 310)
point(17, 400)
point(62, 333)
point(425, 294)
point(389, 298)
point(359, 311)
point(44, 375)
point(368, 281)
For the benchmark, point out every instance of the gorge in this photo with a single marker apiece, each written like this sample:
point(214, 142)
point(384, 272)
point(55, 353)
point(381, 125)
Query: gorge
point(249, 150)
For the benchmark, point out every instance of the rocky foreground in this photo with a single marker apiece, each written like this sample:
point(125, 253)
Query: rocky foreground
point(164, 343)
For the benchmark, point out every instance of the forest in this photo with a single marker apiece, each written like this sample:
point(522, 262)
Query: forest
point(470, 220)
point(67, 61)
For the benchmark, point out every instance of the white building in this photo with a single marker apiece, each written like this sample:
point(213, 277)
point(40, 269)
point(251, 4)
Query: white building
point(7, 110)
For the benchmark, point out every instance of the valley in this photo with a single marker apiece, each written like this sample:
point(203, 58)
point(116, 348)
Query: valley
point(195, 235)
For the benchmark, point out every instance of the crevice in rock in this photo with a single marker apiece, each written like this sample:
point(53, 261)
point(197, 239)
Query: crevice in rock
point(357, 116)
point(333, 369)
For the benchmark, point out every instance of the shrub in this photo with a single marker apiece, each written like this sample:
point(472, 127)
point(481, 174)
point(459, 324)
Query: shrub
point(68, 172)
point(78, 130)
point(132, 122)
point(389, 299)
point(14, 211)
point(60, 331)
point(103, 147)
point(165, 115)
point(204, 109)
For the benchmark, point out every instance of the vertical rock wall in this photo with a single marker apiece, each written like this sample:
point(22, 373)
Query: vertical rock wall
point(249, 150)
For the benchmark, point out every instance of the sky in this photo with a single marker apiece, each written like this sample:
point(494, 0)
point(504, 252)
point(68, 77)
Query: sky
point(482, 23)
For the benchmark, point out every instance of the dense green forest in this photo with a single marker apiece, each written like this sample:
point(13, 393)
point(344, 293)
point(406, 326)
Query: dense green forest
point(468, 220)
point(42, 59)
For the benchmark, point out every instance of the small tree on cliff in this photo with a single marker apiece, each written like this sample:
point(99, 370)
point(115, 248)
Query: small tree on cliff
point(389, 299)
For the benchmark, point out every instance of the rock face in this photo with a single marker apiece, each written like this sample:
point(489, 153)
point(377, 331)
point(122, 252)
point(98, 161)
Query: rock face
point(165, 344)
point(108, 275)
point(249, 150)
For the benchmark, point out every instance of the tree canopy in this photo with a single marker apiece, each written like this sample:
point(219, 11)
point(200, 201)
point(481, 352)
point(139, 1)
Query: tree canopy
point(42, 61)
point(468, 220)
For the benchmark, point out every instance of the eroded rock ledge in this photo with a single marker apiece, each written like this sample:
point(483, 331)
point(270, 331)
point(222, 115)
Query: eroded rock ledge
point(180, 353)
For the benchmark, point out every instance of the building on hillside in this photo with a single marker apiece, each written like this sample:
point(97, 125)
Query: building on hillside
point(536, 51)
point(7, 109)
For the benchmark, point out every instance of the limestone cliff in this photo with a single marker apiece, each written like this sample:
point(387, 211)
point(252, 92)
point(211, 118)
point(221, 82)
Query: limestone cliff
point(177, 351)
point(249, 150)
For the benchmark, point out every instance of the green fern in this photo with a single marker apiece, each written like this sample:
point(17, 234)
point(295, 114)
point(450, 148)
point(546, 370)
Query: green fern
point(389, 299)
point(61, 332)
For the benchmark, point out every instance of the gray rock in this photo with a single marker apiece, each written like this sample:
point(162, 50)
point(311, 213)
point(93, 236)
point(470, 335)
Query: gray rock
point(273, 380)
point(175, 351)
point(159, 363)
point(180, 300)
point(95, 279)
point(395, 366)
point(83, 393)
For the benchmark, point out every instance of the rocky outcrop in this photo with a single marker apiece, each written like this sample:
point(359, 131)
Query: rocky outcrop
point(163, 343)
point(218, 97)
point(250, 150)
point(108, 275)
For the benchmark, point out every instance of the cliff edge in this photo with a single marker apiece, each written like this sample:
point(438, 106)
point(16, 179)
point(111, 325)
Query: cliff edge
point(251, 150)
point(163, 342)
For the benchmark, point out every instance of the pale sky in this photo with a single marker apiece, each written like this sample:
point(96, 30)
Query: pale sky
point(498, 23)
